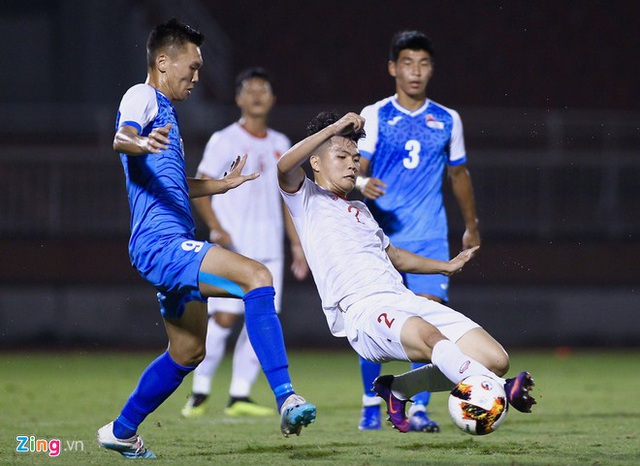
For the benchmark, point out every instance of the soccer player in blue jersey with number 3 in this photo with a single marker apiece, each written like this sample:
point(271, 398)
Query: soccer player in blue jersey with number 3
point(409, 141)
point(185, 272)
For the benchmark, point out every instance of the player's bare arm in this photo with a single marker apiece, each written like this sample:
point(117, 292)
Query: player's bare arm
point(299, 266)
point(233, 179)
point(463, 191)
point(202, 205)
point(128, 141)
point(370, 187)
point(409, 262)
point(290, 172)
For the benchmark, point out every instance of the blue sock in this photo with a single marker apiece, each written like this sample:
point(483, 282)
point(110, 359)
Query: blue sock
point(369, 371)
point(159, 380)
point(282, 392)
point(421, 398)
point(265, 335)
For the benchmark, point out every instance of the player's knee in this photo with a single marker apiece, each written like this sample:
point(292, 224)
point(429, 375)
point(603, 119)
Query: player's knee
point(196, 356)
point(500, 363)
point(225, 319)
point(189, 355)
point(260, 277)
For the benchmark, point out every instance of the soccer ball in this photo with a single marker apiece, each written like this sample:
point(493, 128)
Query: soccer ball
point(478, 405)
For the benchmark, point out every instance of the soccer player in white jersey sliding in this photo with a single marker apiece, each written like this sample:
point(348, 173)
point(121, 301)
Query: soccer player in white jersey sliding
point(356, 270)
point(248, 220)
point(410, 142)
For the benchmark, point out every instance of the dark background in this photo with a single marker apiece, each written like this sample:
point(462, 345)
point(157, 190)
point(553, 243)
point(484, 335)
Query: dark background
point(519, 54)
point(547, 91)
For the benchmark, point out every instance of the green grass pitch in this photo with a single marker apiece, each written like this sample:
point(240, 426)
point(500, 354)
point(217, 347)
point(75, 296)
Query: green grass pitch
point(587, 414)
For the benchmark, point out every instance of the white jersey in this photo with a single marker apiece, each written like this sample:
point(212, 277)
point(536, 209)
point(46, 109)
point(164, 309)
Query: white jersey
point(345, 249)
point(252, 212)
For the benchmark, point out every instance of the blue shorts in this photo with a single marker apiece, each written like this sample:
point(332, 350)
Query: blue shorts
point(433, 284)
point(172, 265)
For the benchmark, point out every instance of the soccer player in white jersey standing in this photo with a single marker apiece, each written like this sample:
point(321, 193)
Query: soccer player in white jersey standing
point(356, 270)
point(250, 220)
point(410, 141)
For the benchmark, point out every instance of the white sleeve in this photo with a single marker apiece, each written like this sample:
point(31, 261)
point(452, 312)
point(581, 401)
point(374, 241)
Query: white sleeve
point(385, 239)
point(138, 107)
point(216, 157)
point(295, 201)
point(457, 151)
point(367, 144)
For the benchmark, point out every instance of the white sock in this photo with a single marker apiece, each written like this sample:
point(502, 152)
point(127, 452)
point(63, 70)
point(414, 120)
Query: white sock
point(246, 367)
point(215, 345)
point(426, 378)
point(416, 408)
point(371, 400)
point(456, 365)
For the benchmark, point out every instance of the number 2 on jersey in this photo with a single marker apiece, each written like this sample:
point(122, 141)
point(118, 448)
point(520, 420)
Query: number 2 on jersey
point(387, 322)
point(357, 214)
point(413, 148)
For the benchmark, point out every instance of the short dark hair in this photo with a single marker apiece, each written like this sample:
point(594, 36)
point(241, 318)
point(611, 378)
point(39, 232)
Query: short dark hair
point(249, 73)
point(412, 40)
point(173, 32)
point(326, 118)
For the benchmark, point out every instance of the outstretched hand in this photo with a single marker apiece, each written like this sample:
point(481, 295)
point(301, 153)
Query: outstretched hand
point(235, 177)
point(374, 188)
point(461, 259)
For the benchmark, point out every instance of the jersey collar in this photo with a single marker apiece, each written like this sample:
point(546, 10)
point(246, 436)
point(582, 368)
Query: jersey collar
point(400, 108)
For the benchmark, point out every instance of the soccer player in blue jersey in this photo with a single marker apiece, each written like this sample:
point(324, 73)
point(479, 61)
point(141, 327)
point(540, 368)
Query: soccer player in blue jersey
point(409, 142)
point(163, 248)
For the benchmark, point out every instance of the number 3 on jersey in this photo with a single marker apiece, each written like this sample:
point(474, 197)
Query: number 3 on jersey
point(413, 159)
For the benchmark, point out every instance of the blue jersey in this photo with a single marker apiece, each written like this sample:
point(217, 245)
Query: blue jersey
point(409, 151)
point(156, 183)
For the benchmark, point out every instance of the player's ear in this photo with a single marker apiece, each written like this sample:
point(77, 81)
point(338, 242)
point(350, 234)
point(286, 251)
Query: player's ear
point(314, 162)
point(162, 62)
point(391, 66)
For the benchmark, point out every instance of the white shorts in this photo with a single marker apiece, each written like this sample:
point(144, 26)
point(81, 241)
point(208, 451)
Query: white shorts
point(373, 325)
point(236, 306)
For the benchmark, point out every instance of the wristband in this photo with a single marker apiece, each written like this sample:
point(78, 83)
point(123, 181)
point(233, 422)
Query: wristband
point(361, 182)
